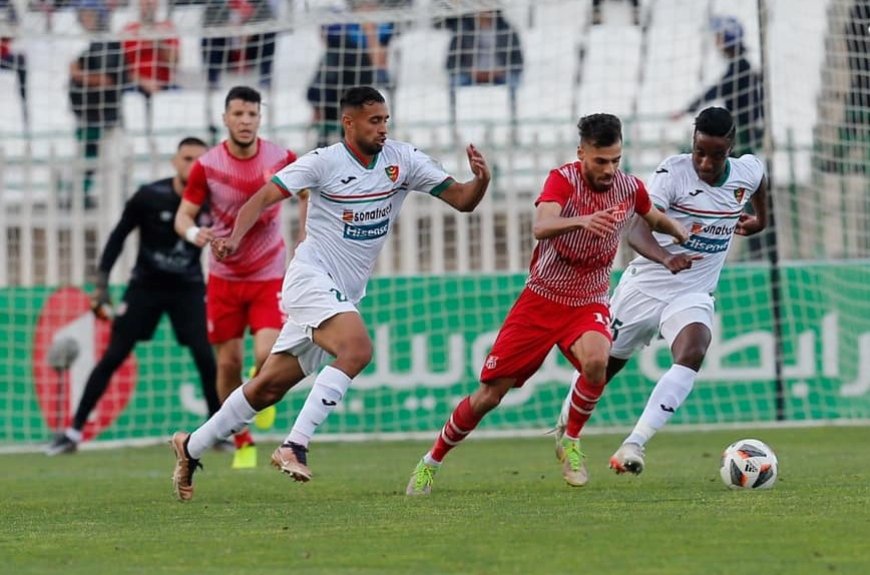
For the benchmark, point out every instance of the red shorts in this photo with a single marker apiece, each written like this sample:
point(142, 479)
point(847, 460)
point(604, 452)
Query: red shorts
point(233, 305)
point(532, 327)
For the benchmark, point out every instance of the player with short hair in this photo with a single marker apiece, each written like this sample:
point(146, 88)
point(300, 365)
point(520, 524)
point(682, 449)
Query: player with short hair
point(578, 219)
point(357, 188)
point(244, 289)
point(668, 288)
point(167, 278)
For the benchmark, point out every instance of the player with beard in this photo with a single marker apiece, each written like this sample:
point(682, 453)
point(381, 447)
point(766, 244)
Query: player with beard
point(244, 289)
point(357, 189)
point(580, 214)
point(668, 289)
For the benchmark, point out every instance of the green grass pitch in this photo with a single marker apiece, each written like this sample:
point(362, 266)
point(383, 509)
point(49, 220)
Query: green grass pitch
point(499, 506)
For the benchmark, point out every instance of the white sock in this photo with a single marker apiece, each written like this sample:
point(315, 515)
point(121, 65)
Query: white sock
point(73, 434)
point(231, 418)
point(667, 396)
point(329, 387)
point(427, 459)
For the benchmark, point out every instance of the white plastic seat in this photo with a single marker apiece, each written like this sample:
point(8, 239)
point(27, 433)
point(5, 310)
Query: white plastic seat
point(483, 114)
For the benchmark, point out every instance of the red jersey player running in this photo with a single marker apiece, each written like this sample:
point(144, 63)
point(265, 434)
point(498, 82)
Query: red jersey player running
point(242, 290)
point(579, 216)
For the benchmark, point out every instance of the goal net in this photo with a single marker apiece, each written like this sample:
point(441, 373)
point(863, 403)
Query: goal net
point(109, 94)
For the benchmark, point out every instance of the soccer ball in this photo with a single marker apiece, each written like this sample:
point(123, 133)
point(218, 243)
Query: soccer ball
point(748, 464)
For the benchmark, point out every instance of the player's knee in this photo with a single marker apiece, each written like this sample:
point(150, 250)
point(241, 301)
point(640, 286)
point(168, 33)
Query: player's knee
point(355, 356)
point(692, 356)
point(595, 369)
point(272, 394)
point(229, 365)
point(264, 391)
point(488, 397)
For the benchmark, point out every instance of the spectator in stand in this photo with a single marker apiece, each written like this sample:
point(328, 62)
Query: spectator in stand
point(151, 50)
point(858, 52)
point(242, 51)
point(485, 50)
point(10, 60)
point(740, 89)
point(354, 54)
point(598, 19)
point(96, 81)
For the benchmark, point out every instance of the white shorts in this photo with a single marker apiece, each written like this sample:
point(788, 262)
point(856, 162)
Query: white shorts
point(638, 318)
point(309, 298)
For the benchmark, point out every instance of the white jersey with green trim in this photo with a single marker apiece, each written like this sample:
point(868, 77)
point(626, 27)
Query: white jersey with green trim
point(351, 206)
point(710, 214)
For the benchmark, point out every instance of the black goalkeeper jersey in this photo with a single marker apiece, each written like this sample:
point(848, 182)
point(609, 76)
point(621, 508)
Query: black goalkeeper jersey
point(163, 256)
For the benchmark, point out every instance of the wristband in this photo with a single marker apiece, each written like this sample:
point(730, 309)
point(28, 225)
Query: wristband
point(191, 233)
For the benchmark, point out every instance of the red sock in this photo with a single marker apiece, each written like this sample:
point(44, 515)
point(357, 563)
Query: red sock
point(584, 397)
point(243, 438)
point(461, 422)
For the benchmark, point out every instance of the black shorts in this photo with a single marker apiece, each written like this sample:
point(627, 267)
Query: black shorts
point(144, 306)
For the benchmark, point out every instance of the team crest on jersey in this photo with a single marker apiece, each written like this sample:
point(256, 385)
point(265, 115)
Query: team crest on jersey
point(739, 193)
point(347, 216)
point(491, 362)
point(392, 172)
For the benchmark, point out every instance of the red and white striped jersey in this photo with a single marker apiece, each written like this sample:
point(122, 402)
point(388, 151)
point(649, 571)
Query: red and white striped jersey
point(225, 183)
point(574, 268)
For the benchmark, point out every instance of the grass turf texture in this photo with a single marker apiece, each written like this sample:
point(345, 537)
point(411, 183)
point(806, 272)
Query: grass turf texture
point(498, 506)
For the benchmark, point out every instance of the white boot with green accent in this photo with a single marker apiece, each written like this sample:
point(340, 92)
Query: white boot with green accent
point(573, 462)
point(421, 479)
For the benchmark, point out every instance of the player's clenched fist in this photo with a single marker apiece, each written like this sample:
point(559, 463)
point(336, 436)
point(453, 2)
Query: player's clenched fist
point(222, 248)
point(748, 225)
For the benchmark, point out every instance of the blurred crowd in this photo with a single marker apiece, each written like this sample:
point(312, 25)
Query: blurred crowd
point(485, 48)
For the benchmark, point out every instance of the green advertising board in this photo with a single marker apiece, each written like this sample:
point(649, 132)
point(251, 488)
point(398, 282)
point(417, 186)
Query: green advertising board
point(431, 335)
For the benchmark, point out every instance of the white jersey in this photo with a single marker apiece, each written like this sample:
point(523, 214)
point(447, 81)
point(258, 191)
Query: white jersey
point(710, 213)
point(352, 206)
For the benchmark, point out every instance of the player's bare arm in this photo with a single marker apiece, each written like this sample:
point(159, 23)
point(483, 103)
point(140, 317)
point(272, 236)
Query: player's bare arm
point(185, 224)
point(248, 215)
point(302, 196)
point(466, 196)
point(659, 222)
point(640, 238)
point(550, 223)
point(749, 224)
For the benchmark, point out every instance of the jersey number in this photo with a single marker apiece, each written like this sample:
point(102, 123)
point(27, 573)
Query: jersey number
point(338, 295)
point(600, 317)
point(614, 328)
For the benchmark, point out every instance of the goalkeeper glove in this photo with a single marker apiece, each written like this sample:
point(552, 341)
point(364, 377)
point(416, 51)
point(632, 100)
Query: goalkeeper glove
point(101, 301)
